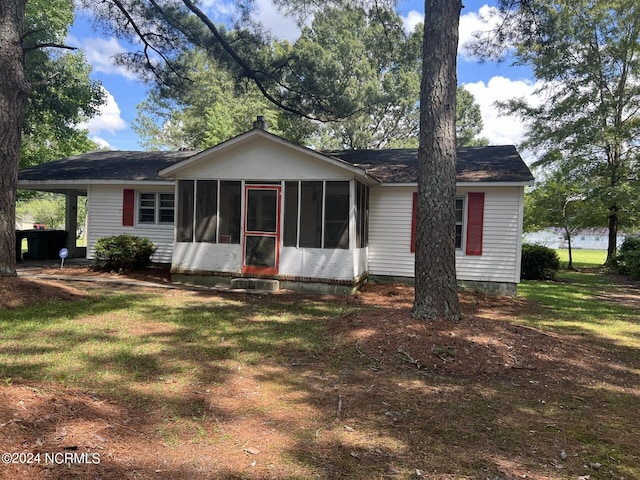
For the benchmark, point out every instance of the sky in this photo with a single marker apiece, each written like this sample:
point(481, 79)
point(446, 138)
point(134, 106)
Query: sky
point(488, 82)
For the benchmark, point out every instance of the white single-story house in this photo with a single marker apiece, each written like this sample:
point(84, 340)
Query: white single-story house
point(588, 238)
point(260, 206)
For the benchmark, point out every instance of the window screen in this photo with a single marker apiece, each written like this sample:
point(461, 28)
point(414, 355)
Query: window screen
point(311, 219)
point(336, 215)
point(290, 214)
point(184, 230)
point(206, 210)
point(230, 203)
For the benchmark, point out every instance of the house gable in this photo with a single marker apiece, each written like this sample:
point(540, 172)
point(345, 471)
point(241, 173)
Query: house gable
point(258, 155)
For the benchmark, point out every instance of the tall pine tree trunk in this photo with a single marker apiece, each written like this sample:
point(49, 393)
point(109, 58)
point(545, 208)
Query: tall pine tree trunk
point(436, 290)
point(14, 91)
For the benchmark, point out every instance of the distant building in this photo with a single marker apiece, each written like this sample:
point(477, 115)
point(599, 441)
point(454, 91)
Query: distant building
point(24, 223)
point(587, 239)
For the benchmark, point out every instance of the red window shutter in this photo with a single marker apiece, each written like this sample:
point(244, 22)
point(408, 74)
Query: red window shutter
point(128, 207)
point(475, 220)
point(414, 214)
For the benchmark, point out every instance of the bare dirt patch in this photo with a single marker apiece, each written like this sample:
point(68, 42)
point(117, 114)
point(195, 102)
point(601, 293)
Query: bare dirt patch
point(392, 398)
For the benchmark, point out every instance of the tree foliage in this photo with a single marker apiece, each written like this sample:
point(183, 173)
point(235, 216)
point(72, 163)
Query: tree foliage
point(561, 200)
point(361, 61)
point(62, 93)
point(469, 122)
point(62, 97)
point(377, 66)
point(50, 209)
point(587, 55)
point(346, 57)
point(47, 209)
point(206, 108)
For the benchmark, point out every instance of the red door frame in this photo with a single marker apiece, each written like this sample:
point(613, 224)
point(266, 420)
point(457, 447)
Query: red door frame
point(276, 235)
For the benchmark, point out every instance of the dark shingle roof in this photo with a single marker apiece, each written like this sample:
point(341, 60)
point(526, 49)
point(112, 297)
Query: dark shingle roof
point(106, 165)
point(475, 164)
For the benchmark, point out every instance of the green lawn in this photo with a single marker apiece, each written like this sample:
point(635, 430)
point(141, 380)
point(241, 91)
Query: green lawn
point(583, 258)
point(576, 303)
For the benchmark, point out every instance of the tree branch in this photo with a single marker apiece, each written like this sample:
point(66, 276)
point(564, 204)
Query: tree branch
point(47, 45)
point(147, 45)
point(247, 70)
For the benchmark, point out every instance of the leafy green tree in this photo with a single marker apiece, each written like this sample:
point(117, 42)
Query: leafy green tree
point(202, 110)
point(360, 61)
point(378, 69)
point(587, 54)
point(560, 200)
point(36, 93)
point(63, 95)
point(46, 208)
point(469, 122)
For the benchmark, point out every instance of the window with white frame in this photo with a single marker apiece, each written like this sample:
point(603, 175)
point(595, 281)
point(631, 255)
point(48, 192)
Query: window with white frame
point(459, 221)
point(155, 208)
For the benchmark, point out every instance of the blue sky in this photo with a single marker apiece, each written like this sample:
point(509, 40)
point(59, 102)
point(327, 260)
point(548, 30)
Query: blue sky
point(488, 82)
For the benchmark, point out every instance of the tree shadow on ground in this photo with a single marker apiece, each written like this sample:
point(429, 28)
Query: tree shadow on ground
point(226, 386)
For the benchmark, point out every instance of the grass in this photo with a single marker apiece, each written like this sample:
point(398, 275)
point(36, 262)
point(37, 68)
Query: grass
point(104, 342)
point(576, 303)
point(583, 258)
point(209, 376)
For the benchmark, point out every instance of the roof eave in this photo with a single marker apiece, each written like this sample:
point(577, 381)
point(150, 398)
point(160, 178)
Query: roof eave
point(29, 184)
point(511, 183)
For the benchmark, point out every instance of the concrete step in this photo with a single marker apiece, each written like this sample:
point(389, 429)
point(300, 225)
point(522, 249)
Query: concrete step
point(264, 284)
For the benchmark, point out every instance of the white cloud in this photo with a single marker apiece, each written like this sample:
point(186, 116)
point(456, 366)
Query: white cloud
point(281, 26)
point(502, 129)
point(486, 18)
point(264, 12)
point(100, 52)
point(108, 119)
point(412, 20)
point(102, 143)
point(218, 9)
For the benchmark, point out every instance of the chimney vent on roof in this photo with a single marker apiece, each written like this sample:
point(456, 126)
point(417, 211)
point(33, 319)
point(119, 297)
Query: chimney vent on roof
point(261, 123)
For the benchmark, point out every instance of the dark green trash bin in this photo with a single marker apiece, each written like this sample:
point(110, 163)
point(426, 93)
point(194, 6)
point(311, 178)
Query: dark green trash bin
point(45, 244)
point(56, 241)
point(36, 245)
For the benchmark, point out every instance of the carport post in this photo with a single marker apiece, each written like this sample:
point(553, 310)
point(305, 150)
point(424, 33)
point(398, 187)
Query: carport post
point(71, 220)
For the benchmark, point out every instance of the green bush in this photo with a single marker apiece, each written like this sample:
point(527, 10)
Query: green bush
point(539, 262)
point(628, 257)
point(123, 252)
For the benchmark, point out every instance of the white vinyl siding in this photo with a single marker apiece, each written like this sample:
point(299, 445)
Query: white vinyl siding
point(104, 211)
point(501, 243)
point(390, 231)
point(390, 235)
